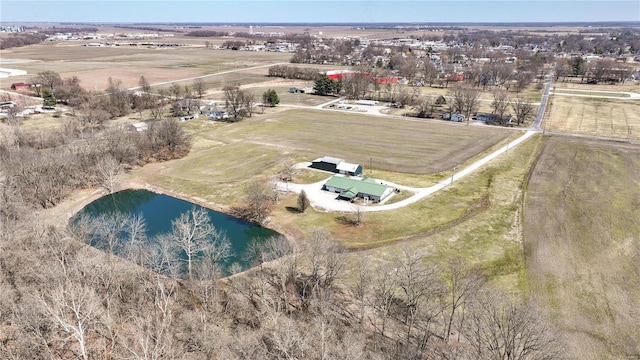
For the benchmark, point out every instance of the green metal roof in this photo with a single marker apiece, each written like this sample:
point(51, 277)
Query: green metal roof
point(349, 194)
point(366, 186)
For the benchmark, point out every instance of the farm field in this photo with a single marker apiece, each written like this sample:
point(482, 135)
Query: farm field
point(94, 65)
point(582, 242)
point(592, 116)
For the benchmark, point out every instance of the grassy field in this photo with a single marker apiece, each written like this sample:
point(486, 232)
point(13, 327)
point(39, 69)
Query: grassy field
point(582, 238)
point(476, 219)
point(592, 116)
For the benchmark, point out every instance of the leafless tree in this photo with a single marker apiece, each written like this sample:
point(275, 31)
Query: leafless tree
point(49, 79)
point(109, 170)
point(74, 310)
point(288, 171)
point(249, 102)
point(522, 109)
point(260, 198)
point(429, 72)
point(303, 202)
point(500, 103)
point(118, 98)
point(420, 286)
point(384, 287)
point(462, 282)
point(503, 328)
point(359, 288)
point(175, 90)
point(234, 102)
point(195, 236)
point(199, 87)
point(325, 258)
point(464, 100)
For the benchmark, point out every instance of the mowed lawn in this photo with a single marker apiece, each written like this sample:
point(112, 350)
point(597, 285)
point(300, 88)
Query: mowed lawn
point(582, 236)
point(592, 116)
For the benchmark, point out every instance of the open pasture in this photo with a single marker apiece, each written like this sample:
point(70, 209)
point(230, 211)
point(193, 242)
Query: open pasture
point(582, 242)
point(592, 116)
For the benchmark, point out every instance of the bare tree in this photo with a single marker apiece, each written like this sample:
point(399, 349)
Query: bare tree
point(464, 100)
point(49, 79)
point(234, 102)
point(522, 109)
point(195, 236)
point(144, 84)
point(360, 286)
point(503, 328)
point(260, 198)
point(462, 283)
point(109, 170)
point(384, 286)
point(74, 310)
point(500, 104)
point(325, 258)
point(199, 87)
point(303, 201)
point(288, 171)
point(419, 285)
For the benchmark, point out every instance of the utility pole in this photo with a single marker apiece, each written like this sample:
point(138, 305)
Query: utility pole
point(453, 171)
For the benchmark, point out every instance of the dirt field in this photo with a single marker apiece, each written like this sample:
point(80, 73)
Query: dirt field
point(94, 65)
point(592, 116)
point(582, 238)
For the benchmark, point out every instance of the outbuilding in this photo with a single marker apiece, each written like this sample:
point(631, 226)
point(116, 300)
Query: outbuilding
point(19, 86)
point(336, 165)
point(140, 126)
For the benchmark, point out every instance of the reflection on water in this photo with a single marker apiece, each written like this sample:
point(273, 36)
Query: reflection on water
point(158, 212)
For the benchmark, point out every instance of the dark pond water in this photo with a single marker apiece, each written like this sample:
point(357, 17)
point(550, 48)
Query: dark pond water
point(160, 210)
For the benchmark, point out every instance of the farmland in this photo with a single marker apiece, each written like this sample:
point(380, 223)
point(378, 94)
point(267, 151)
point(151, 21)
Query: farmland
point(554, 219)
point(582, 243)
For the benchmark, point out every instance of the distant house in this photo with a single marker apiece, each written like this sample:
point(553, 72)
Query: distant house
point(19, 86)
point(140, 126)
point(297, 90)
point(351, 188)
point(336, 165)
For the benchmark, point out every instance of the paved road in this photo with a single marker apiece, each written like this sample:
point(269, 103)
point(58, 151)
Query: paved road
point(543, 103)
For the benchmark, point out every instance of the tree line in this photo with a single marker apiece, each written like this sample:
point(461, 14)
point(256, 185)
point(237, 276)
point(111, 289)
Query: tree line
point(302, 300)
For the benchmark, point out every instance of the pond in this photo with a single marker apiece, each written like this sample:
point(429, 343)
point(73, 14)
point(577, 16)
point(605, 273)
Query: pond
point(159, 212)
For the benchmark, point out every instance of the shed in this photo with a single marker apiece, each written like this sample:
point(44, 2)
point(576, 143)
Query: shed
point(140, 126)
point(19, 86)
point(326, 163)
point(346, 168)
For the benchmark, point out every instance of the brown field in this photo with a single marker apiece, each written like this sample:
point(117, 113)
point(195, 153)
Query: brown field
point(582, 238)
point(95, 65)
point(592, 116)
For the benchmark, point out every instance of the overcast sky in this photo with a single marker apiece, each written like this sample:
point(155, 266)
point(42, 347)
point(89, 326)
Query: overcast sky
point(314, 11)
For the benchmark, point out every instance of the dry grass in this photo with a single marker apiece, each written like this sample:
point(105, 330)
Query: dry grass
point(583, 243)
point(591, 116)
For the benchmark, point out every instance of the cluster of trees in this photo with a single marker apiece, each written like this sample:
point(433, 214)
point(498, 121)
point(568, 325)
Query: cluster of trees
point(39, 169)
point(239, 103)
point(191, 250)
point(297, 303)
point(594, 71)
point(294, 72)
point(20, 39)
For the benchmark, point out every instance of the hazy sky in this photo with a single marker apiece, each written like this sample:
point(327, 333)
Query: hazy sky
point(264, 11)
